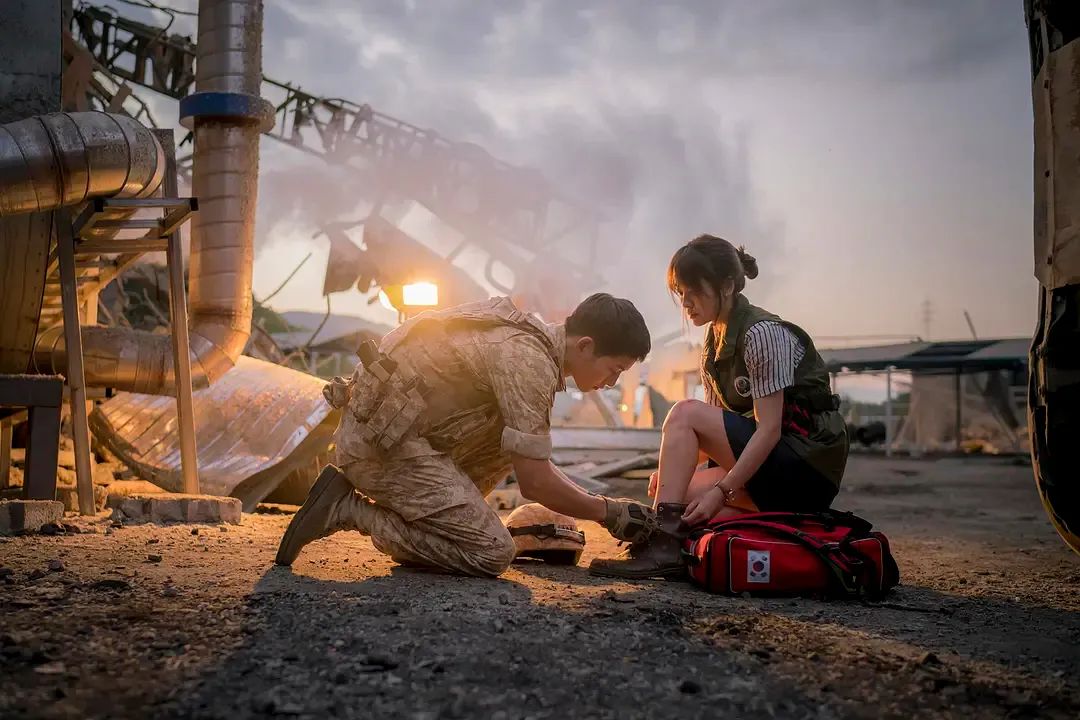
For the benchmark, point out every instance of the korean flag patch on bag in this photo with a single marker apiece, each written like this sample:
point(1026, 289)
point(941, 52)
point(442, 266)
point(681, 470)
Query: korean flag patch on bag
point(757, 566)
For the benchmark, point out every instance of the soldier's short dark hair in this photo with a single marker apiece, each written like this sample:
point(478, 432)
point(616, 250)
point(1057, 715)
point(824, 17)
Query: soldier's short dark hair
point(614, 324)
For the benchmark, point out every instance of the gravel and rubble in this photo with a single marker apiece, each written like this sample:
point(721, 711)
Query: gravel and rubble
point(103, 619)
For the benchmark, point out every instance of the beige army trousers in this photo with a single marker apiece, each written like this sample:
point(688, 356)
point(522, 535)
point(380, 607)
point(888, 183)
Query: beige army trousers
point(425, 510)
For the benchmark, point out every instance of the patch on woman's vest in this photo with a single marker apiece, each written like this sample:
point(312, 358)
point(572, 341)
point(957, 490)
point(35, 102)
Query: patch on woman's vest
point(742, 386)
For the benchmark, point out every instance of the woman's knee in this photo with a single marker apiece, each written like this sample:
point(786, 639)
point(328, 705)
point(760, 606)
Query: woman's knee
point(683, 414)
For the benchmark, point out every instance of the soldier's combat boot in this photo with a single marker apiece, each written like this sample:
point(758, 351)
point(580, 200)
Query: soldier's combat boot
point(658, 556)
point(317, 517)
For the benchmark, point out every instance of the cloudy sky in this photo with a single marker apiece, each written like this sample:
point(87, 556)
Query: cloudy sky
point(873, 154)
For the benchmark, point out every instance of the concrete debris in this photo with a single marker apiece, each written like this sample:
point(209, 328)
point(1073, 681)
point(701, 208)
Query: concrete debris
point(68, 494)
point(65, 459)
point(167, 507)
point(105, 472)
point(19, 516)
point(125, 488)
point(15, 476)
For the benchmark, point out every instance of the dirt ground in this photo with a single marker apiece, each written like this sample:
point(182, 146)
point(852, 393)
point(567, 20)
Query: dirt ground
point(187, 621)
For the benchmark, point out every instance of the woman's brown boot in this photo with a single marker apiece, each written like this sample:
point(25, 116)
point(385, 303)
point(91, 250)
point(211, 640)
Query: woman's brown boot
point(659, 556)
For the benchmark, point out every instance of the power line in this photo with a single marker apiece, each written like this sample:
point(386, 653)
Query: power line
point(286, 281)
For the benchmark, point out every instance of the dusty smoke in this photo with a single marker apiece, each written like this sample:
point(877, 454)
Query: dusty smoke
point(630, 108)
point(658, 170)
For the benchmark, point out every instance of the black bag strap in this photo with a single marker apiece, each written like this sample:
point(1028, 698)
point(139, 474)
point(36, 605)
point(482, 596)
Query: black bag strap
point(829, 518)
point(848, 519)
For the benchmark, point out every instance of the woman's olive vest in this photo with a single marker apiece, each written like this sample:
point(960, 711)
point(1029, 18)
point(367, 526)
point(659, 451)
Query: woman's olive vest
point(812, 424)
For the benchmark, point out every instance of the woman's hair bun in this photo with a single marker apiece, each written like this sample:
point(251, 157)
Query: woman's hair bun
point(748, 262)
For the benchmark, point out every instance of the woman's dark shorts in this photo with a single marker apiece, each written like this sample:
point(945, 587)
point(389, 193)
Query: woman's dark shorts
point(785, 481)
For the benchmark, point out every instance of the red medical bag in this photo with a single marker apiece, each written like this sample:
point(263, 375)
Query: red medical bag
point(830, 554)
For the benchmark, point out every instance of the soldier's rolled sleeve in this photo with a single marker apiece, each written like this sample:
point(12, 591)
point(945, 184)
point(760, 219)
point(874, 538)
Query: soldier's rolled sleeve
point(524, 379)
point(537, 447)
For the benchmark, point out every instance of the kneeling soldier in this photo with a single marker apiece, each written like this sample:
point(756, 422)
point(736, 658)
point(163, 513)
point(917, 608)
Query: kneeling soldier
point(446, 406)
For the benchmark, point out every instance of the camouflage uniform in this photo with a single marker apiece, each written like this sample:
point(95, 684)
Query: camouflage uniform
point(493, 373)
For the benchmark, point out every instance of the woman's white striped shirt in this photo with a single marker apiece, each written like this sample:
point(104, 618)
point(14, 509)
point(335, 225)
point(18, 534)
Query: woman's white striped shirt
point(771, 352)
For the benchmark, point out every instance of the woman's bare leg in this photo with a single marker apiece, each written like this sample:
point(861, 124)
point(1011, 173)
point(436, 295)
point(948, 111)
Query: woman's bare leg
point(702, 481)
point(690, 427)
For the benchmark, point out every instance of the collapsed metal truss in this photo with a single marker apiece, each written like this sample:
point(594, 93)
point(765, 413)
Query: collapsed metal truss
point(513, 213)
point(165, 63)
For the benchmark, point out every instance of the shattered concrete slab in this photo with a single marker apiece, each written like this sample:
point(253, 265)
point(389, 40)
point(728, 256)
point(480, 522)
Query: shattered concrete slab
point(18, 516)
point(169, 507)
point(125, 488)
point(68, 494)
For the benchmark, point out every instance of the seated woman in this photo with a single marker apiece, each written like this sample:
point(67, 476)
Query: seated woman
point(770, 426)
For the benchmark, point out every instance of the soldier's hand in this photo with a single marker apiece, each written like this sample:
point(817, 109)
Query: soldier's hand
point(628, 519)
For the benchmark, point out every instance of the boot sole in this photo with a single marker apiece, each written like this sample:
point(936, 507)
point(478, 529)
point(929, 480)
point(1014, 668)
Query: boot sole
point(328, 475)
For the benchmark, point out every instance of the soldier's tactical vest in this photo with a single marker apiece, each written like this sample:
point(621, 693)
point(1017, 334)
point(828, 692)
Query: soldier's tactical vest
point(812, 424)
point(390, 398)
point(492, 313)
